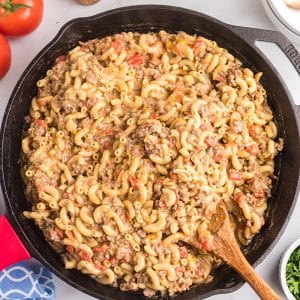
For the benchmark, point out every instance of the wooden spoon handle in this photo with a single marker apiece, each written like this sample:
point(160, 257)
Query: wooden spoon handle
point(241, 265)
point(227, 248)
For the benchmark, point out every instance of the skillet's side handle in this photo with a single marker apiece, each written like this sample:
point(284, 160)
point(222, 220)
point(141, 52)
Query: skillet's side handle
point(251, 35)
point(11, 248)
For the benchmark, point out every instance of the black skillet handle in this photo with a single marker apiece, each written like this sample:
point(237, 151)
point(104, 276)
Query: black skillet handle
point(251, 35)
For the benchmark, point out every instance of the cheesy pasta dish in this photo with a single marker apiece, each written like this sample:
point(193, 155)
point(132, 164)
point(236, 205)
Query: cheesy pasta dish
point(131, 142)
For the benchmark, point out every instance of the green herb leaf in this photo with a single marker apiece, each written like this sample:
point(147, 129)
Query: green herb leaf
point(293, 273)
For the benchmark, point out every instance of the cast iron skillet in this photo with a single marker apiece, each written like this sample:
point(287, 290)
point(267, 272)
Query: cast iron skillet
point(238, 40)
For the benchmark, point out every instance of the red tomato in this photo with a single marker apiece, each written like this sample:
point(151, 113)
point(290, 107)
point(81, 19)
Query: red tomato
point(20, 17)
point(5, 56)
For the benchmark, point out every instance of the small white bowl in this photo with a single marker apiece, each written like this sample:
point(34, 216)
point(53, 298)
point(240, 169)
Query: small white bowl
point(282, 268)
point(286, 19)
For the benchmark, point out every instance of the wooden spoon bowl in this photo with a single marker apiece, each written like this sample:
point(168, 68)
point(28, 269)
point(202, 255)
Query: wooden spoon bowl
point(226, 247)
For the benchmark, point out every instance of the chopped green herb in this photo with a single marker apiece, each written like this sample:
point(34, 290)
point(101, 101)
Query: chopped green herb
point(293, 273)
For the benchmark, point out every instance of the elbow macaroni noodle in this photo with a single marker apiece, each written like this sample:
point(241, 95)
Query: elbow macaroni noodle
point(132, 140)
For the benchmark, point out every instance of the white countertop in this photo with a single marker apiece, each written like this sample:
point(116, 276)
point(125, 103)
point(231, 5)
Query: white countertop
point(245, 13)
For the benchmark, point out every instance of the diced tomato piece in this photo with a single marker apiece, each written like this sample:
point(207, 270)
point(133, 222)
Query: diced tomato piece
point(135, 60)
point(179, 48)
point(39, 187)
point(183, 252)
point(203, 244)
point(134, 182)
point(105, 145)
point(235, 175)
point(59, 233)
point(173, 176)
point(240, 199)
point(219, 78)
point(117, 173)
point(90, 180)
point(218, 157)
point(197, 44)
point(84, 256)
point(107, 131)
point(101, 249)
point(199, 273)
point(179, 97)
point(162, 202)
point(252, 149)
point(259, 194)
point(204, 126)
point(209, 141)
point(159, 180)
point(127, 217)
point(116, 45)
point(154, 115)
point(251, 129)
point(61, 58)
point(178, 94)
point(99, 266)
point(70, 249)
point(40, 122)
point(113, 261)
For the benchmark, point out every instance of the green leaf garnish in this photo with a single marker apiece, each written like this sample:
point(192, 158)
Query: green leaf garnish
point(293, 273)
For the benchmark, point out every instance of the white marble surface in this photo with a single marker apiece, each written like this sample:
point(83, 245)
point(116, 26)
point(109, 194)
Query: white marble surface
point(245, 13)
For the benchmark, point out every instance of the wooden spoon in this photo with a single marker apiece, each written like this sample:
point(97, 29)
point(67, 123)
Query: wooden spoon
point(226, 247)
point(87, 2)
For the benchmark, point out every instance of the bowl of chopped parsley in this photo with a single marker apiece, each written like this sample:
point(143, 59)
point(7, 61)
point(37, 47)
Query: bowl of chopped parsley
point(290, 271)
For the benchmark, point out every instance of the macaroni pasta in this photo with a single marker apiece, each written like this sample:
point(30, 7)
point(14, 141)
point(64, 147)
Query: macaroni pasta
point(131, 142)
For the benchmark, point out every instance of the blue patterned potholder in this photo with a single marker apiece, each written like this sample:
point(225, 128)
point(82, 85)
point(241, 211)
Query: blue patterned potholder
point(23, 282)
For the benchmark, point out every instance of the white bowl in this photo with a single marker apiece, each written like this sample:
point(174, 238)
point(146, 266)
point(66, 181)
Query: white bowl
point(285, 19)
point(282, 268)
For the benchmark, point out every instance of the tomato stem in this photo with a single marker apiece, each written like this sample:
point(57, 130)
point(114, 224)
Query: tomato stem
point(10, 7)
